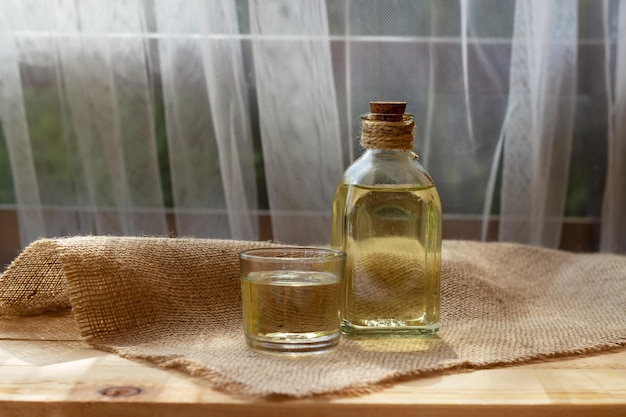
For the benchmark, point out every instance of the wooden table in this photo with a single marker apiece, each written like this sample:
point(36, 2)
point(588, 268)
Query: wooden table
point(57, 374)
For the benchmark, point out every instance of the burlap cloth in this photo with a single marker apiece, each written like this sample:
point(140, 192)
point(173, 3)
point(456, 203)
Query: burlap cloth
point(176, 303)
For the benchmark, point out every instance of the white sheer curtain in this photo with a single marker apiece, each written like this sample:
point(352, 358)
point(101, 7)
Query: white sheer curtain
point(297, 115)
point(538, 132)
point(209, 117)
point(613, 237)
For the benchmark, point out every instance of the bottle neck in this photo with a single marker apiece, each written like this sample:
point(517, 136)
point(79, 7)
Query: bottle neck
point(395, 156)
point(385, 134)
point(388, 153)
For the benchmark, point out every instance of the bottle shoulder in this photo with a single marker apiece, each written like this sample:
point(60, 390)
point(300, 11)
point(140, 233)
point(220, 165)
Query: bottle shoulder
point(392, 169)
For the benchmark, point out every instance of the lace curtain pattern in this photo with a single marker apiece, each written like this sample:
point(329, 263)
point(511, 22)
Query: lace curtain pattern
point(208, 118)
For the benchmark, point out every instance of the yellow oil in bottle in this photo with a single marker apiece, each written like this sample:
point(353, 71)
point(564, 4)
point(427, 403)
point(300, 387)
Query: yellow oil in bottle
point(392, 235)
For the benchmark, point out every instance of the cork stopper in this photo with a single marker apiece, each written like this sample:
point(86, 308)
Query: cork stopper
point(391, 111)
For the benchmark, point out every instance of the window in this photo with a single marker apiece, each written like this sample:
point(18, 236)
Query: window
point(236, 118)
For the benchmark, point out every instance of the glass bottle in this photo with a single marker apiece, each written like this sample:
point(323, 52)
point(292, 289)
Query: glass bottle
point(387, 218)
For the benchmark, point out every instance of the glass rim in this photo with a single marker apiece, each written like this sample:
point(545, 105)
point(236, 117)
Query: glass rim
point(303, 253)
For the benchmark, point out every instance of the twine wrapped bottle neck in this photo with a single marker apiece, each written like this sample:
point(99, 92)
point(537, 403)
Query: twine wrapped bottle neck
point(379, 133)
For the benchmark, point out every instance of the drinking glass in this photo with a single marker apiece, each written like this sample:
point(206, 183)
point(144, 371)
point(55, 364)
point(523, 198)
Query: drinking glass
point(292, 298)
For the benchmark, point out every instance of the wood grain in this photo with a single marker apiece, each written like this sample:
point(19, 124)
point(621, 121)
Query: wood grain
point(66, 377)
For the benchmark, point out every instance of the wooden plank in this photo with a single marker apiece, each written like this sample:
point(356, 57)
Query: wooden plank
point(65, 377)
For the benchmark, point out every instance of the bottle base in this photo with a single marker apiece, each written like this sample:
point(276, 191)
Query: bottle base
point(353, 331)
